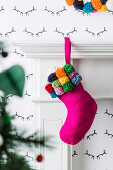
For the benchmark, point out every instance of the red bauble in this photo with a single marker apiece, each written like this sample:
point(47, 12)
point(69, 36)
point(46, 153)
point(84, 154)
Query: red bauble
point(4, 54)
point(40, 158)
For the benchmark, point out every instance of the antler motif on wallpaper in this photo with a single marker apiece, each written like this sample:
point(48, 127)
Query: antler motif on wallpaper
point(29, 75)
point(110, 12)
point(30, 11)
point(28, 156)
point(26, 94)
point(108, 134)
point(33, 34)
point(97, 34)
point(57, 13)
point(90, 32)
point(89, 136)
point(101, 154)
point(101, 32)
point(98, 156)
point(71, 32)
point(29, 32)
point(40, 32)
point(9, 32)
point(26, 13)
point(18, 11)
point(109, 114)
point(49, 11)
point(59, 32)
point(2, 9)
point(61, 11)
point(74, 153)
point(89, 155)
point(63, 34)
point(18, 53)
point(22, 117)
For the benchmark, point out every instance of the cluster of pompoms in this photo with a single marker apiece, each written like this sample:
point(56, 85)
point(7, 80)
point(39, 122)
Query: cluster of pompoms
point(62, 81)
point(89, 6)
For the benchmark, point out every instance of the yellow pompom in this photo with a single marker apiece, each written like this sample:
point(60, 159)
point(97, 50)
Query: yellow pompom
point(103, 8)
point(64, 80)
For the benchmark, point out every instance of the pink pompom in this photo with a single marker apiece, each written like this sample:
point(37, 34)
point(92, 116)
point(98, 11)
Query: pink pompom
point(59, 91)
point(71, 75)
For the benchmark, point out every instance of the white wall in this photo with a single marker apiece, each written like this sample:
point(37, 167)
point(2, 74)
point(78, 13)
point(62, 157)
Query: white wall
point(65, 23)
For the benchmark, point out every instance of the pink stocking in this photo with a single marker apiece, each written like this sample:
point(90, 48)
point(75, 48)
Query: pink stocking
point(80, 105)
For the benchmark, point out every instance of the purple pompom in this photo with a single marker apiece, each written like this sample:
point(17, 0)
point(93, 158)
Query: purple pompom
point(78, 5)
point(52, 77)
point(104, 1)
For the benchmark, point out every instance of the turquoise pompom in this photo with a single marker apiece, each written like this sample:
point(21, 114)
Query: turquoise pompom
point(88, 8)
point(53, 95)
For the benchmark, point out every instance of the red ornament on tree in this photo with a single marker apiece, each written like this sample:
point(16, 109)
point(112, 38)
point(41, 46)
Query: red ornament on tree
point(40, 158)
point(4, 54)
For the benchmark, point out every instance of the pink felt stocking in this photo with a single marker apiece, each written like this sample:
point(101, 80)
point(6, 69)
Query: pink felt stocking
point(81, 107)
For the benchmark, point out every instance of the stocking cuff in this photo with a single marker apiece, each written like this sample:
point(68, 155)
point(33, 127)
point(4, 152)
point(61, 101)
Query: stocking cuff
point(62, 81)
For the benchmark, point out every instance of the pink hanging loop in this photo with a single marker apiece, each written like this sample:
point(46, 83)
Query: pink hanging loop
point(67, 50)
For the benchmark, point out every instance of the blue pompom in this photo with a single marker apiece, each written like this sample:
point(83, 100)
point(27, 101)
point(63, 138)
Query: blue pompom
point(88, 8)
point(78, 5)
point(52, 77)
point(104, 1)
point(76, 79)
point(53, 95)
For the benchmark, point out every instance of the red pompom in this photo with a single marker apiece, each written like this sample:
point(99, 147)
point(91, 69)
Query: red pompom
point(49, 88)
point(40, 158)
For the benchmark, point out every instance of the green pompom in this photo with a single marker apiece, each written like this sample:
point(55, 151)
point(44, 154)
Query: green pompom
point(67, 87)
point(56, 83)
point(68, 68)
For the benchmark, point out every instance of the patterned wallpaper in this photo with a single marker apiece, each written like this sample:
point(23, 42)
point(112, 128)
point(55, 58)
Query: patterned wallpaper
point(49, 21)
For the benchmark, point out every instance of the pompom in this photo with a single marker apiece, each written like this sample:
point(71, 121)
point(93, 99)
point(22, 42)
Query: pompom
point(56, 83)
point(68, 68)
point(88, 8)
point(103, 8)
point(59, 91)
point(60, 72)
point(109, 5)
point(78, 5)
point(72, 74)
point(49, 88)
point(96, 4)
point(67, 87)
point(70, 2)
point(52, 77)
point(103, 2)
point(53, 95)
point(76, 80)
point(64, 80)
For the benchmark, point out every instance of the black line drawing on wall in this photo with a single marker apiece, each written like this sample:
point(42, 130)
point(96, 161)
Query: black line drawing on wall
point(67, 34)
point(18, 53)
point(8, 33)
point(58, 13)
point(74, 153)
point(29, 75)
point(83, 13)
point(109, 114)
point(89, 155)
point(35, 34)
point(93, 156)
point(2, 9)
point(28, 118)
point(91, 135)
point(110, 12)
point(26, 94)
point(27, 13)
point(96, 34)
point(28, 156)
point(108, 134)
point(101, 154)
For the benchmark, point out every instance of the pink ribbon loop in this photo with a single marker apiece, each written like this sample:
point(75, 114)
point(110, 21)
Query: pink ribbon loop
point(67, 50)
